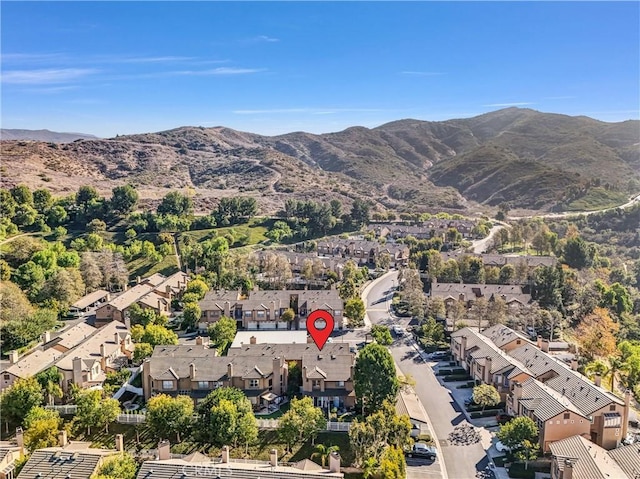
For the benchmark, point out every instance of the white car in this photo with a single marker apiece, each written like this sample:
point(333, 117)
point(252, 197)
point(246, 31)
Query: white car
point(502, 448)
point(398, 331)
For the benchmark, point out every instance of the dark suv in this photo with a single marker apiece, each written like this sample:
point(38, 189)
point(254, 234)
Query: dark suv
point(503, 417)
point(420, 449)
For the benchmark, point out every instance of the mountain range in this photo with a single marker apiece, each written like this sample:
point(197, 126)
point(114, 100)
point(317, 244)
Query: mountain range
point(43, 135)
point(528, 159)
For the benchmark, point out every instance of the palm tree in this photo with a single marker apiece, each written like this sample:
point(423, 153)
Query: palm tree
point(617, 364)
point(597, 368)
point(324, 452)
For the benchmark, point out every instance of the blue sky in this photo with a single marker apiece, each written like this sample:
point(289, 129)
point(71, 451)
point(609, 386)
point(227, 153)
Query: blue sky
point(123, 67)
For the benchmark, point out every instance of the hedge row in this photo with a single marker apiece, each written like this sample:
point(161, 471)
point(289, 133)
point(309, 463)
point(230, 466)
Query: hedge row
point(455, 377)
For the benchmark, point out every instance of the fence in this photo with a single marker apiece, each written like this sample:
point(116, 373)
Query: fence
point(331, 425)
point(64, 409)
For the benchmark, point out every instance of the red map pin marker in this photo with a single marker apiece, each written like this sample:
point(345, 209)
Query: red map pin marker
point(320, 336)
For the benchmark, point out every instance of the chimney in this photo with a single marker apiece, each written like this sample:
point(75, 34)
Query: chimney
point(46, 337)
point(107, 297)
point(278, 374)
point(463, 348)
point(625, 412)
point(127, 323)
point(516, 395)
point(192, 370)
point(227, 308)
point(199, 341)
point(574, 364)
point(568, 469)
point(116, 337)
point(164, 450)
point(309, 340)
point(167, 290)
point(539, 342)
point(126, 287)
point(273, 457)
point(597, 380)
point(20, 438)
point(253, 340)
point(119, 443)
point(334, 462)
point(76, 374)
point(545, 345)
point(137, 279)
point(487, 370)
point(103, 351)
point(13, 356)
point(62, 438)
point(230, 372)
point(159, 305)
point(225, 454)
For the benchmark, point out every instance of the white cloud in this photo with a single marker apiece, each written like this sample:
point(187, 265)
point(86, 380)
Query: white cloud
point(265, 38)
point(45, 76)
point(219, 71)
point(516, 103)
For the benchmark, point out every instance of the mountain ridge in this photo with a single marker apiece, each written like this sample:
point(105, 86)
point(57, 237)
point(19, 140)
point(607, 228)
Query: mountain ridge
point(43, 135)
point(519, 156)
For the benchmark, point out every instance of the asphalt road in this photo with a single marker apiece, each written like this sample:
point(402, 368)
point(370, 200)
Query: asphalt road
point(461, 462)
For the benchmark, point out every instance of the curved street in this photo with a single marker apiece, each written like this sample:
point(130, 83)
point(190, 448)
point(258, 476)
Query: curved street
point(460, 462)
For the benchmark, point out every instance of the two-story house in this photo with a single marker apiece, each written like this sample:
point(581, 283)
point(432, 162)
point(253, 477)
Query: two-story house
point(263, 309)
point(363, 251)
point(513, 295)
point(154, 292)
point(261, 371)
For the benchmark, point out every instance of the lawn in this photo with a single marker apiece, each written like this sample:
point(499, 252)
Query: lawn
point(597, 199)
point(254, 232)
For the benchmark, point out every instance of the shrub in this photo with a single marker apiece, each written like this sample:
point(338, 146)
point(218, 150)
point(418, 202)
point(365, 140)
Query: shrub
point(487, 413)
point(455, 377)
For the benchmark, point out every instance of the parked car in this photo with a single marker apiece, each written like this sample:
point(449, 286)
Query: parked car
point(398, 331)
point(420, 449)
point(503, 417)
point(502, 448)
point(440, 355)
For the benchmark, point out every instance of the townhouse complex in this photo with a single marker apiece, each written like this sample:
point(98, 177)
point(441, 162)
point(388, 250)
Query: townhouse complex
point(261, 371)
point(534, 383)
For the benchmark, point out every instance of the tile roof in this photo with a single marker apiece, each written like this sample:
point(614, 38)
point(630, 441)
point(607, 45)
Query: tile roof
point(212, 469)
point(89, 299)
point(590, 460)
point(469, 292)
point(33, 363)
point(544, 402)
point(76, 461)
point(628, 459)
point(130, 296)
point(71, 337)
point(501, 335)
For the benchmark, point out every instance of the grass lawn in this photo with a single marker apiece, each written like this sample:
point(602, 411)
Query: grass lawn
point(145, 266)
point(267, 440)
point(254, 230)
point(597, 199)
point(276, 414)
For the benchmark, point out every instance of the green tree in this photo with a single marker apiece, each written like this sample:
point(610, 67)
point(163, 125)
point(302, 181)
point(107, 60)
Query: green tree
point(381, 334)
point(375, 378)
point(22, 195)
point(324, 451)
point(155, 335)
point(167, 415)
point(94, 410)
point(516, 431)
point(354, 310)
point(20, 398)
point(42, 200)
point(96, 226)
point(359, 212)
point(42, 426)
point(222, 333)
point(65, 286)
point(175, 203)
point(85, 196)
point(486, 395)
point(578, 253)
point(57, 215)
point(226, 417)
point(393, 464)
point(198, 287)
point(143, 316)
point(288, 315)
point(5, 271)
point(121, 466)
point(123, 199)
point(303, 421)
point(191, 314)
point(528, 451)
point(141, 352)
point(50, 380)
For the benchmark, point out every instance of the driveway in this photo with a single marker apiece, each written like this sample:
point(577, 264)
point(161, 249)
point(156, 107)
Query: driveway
point(460, 462)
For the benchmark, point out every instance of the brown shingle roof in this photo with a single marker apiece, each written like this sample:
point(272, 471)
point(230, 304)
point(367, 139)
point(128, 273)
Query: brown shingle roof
point(590, 461)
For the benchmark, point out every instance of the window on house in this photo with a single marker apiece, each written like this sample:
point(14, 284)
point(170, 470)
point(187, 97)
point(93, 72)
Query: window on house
point(337, 311)
point(167, 384)
point(261, 314)
point(566, 415)
point(340, 384)
point(203, 384)
point(316, 383)
point(253, 383)
point(247, 314)
point(612, 407)
point(7, 377)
